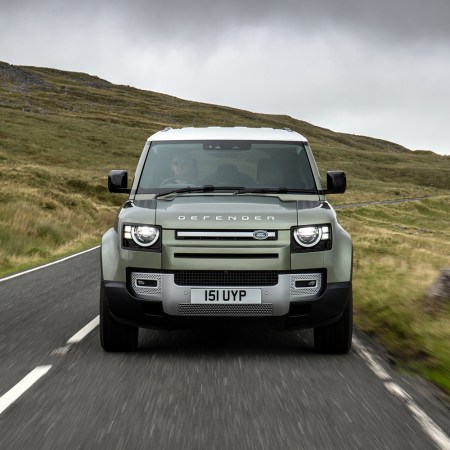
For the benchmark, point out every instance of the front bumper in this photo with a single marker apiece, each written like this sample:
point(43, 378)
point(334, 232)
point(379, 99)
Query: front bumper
point(166, 305)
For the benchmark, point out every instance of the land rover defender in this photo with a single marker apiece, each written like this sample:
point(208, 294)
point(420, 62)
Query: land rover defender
point(226, 227)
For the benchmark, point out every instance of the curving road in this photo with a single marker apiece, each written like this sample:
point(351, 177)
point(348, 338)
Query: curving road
point(190, 389)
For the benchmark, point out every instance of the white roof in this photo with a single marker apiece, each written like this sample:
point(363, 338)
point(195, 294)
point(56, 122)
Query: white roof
point(227, 133)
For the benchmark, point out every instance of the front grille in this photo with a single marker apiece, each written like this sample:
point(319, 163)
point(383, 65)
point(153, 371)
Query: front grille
point(236, 235)
point(188, 309)
point(226, 278)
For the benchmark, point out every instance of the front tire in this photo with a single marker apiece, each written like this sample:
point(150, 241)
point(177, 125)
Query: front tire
point(336, 338)
point(115, 336)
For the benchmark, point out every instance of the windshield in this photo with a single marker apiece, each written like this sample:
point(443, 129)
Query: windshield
point(245, 164)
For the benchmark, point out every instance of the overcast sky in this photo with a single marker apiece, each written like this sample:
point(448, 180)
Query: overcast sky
point(379, 68)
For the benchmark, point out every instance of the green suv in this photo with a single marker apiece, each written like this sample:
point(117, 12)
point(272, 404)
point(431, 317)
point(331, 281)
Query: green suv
point(226, 227)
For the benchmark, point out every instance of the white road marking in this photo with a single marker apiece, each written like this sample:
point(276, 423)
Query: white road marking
point(438, 436)
point(428, 425)
point(60, 351)
point(77, 337)
point(48, 265)
point(22, 386)
point(375, 367)
point(13, 394)
point(396, 390)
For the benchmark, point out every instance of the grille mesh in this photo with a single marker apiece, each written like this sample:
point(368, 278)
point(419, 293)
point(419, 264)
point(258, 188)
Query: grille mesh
point(225, 278)
point(317, 277)
point(144, 290)
point(188, 309)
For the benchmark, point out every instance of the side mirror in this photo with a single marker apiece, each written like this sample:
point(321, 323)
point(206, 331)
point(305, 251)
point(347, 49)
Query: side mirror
point(118, 181)
point(336, 182)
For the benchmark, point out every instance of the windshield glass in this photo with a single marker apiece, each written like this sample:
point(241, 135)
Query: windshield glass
point(248, 164)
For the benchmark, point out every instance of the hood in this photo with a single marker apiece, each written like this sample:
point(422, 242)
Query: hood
point(232, 212)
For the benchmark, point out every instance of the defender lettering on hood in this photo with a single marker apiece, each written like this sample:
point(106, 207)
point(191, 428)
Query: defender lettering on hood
point(224, 211)
point(233, 218)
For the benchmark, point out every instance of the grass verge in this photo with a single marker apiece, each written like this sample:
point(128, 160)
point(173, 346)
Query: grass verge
point(398, 252)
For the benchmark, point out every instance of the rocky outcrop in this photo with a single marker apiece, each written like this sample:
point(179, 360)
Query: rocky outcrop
point(438, 294)
point(16, 75)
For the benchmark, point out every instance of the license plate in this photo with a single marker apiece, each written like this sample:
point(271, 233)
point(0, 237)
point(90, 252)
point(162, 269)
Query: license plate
point(228, 296)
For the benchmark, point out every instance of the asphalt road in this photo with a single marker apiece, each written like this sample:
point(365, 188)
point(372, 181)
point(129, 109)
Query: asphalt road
point(190, 389)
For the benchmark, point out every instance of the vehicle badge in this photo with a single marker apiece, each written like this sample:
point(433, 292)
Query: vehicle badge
point(260, 235)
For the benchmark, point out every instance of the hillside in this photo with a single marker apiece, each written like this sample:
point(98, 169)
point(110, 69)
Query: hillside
point(61, 133)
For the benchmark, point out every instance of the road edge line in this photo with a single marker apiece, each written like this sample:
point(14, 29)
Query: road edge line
point(48, 264)
point(434, 432)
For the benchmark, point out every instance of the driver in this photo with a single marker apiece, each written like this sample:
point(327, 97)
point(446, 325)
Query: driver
point(183, 169)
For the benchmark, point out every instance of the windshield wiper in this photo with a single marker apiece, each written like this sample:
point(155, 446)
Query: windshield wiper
point(204, 188)
point(236, 190)
point(274, 190)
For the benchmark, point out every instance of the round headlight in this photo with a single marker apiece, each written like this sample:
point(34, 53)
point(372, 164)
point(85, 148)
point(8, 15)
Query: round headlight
point(144, 236)
point(308, 236)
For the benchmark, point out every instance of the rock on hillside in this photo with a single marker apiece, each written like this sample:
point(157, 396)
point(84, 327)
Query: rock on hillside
point(438, 295)
point(17, 76)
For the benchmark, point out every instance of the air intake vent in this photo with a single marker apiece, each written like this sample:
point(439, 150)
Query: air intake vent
point(224, 278)
point(188, 309)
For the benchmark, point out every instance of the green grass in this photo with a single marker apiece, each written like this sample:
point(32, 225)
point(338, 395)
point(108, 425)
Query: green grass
point(399, 250)
point(62, 132)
